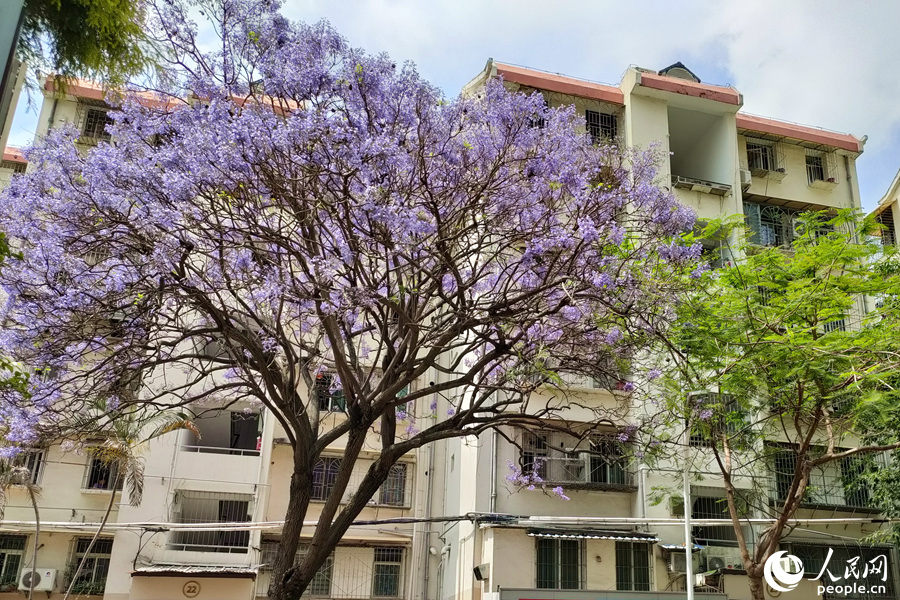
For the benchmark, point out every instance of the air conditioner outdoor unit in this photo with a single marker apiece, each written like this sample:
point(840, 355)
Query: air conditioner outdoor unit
point(788, 566)
point(718, 557)
point(746, 179)
point(42, 579)
point(678, 562)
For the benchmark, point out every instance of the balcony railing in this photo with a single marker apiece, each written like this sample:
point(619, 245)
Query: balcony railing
point(217, 450)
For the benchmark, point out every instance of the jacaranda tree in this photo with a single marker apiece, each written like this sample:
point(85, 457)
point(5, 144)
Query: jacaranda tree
point(307, 208)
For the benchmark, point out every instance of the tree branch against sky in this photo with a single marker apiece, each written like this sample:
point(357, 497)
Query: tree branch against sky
point(347, 221)
point(795, 373)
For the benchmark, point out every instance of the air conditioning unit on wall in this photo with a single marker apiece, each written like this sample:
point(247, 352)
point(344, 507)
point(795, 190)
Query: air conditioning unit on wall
point(42, 579)
point(678, 562)
point(722, 557)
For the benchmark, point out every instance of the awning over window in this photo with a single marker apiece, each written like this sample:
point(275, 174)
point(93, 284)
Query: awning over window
point(625, 536)
point(226, 571)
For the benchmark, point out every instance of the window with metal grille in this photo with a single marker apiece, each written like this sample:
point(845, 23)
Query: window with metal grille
point(770, 225)
point(815, 167)
point(95, 122)
point(784, 466)
point(387, 572)
point(100, 474)
point(15, 167)
point(324, 477)
point(560, 564)
point(534, 454)
point(92, 579)
point(760, 156)
point(393, 490)
point(12, 549)
point(705, 507)
point(602, 127)
point(888, 233)
point(608, 461)
point(836, 325)
point(726, 417)
point(633, 566)
point(853, 480)
point(329, 398)
point(211, 507)
point(33, 460)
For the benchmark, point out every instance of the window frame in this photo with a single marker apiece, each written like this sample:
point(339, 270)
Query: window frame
point(329, 400)
point(9, 571)
point(96, 558)
point(626, 579)
point(95, 121)
point(553, 547)
point(36, 455)
point(88, 482)
point(385, 570)
point(603, 127)
point(393, 491)
point(321, 489)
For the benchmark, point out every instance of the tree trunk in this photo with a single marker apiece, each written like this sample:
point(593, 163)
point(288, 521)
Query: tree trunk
point(112, 501)
point(757, 584)
point(37, 534)
point(298, 503)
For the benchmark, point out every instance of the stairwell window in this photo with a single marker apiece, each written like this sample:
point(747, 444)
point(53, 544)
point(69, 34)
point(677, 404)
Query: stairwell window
point(560, 564)
point(387, 572)
point(92, 579)
point(12, 549)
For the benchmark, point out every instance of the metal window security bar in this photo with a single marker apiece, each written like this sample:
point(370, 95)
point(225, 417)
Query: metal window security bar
point(92, 579)
point(599, 462)
point(815, 167)
point(393, 490)
point(95, 122)
point(101, 475)
point(560, 564)
point(12, 551)
point(15, 167)
point(329, 398)
point(888, 233)
point(836, 325)
point(839, 484)
point(633, 566)
point(211, 507)
point(350, 572)
point(602, 127)
point(33, 460)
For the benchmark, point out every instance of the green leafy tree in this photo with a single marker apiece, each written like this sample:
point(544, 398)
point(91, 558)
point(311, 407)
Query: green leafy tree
point(780, 373)
point(98, 38)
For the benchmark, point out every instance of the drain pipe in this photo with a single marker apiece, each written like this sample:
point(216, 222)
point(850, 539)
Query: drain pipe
point(493, 504)
point(429, 490)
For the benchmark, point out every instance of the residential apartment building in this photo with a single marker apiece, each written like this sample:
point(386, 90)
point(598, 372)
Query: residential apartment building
point(515, 543)
point(721, 162)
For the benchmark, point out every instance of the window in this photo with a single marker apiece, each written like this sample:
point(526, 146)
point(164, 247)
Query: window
point(785, 465)
point(33, 460)
point(12, 549)
point(835, 484)
point(836, 325)
point(600, 461)
point(761, 155)
point(560, 564)
point(602, 127)
point(101, 475)
point(330, 400)
point(769, 225)
point(211, 507)
point(715, 507)
point(324, 476)
point(608, 463)
point(92, 579)
point(726, 418)
point(393, 490)
point(888, 234)
point(853, 480)
point(387, 572)
point(15, 167)
point(815, 167)
point(633, 566)
point(534, 454)
point(95, 123)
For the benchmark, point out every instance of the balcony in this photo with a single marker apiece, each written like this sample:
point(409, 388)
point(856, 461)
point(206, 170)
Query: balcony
point(588, 471)
point(839, 485)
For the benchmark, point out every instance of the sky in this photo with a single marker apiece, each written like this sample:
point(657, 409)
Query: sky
point(827, 63)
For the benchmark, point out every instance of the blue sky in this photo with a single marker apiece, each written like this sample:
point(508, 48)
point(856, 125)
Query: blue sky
point(825, 63)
